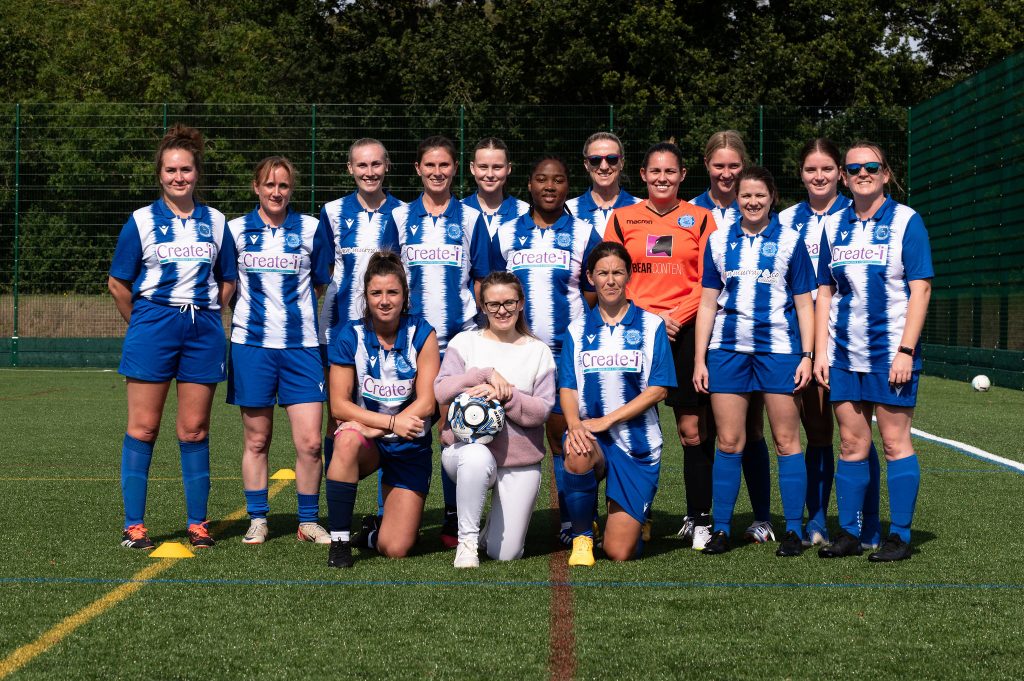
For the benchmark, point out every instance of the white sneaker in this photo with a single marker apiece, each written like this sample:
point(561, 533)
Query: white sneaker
point(466, 555)
point(701, 536)
point(686, 531)
point(760, 532)
point(314, 533)
point(257, 532)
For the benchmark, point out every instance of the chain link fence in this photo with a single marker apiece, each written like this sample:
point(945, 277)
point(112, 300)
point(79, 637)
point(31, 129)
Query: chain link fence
point(70, 174)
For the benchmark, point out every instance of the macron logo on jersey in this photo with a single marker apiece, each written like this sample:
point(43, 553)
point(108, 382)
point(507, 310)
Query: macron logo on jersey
point(164, 228)
point(872, 254)
point(271, 264)
point(254, 238)
point(387, 392)
point(530, 258)
point(197, 251)
point(448, 255)
point(625, 361)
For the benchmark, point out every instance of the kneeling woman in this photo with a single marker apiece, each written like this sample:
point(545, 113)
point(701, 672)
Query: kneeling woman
point(615, 366)
point(754, 334)
point(382, 375)
point(505, 362)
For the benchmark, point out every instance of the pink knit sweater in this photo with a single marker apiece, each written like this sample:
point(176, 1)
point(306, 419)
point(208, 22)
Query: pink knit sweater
point(471, 359)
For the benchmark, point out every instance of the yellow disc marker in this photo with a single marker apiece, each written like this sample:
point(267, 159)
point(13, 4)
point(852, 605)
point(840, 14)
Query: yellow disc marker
point(171, 549)
point(283, 474)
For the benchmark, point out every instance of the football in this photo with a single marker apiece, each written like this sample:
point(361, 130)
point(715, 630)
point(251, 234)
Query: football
point(981, 383)
point(475, 419)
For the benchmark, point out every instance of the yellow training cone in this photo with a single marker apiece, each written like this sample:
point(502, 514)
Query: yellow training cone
point(283, 474)
point(171, 549)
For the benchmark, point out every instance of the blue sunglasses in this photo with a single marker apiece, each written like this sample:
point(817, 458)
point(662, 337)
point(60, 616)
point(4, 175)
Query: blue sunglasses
point(872, 167)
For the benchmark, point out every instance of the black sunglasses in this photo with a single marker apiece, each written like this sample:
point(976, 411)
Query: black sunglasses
point(872, 167)
point(595, 161)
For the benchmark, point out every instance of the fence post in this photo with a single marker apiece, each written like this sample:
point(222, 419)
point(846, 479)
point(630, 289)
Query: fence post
point(908, 155)
point(312, 165)
point(611, 118)
point(165, 117)
point(462, 149)
point(760, 134)
point(17, 234)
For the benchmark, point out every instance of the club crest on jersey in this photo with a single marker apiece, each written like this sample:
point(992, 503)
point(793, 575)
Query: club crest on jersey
point(292, 240)
point(685, 221)
point(770, 249)
point(632, 336)
point(881, 232)
point(563, 240)
point(401, 364)
point(454, 230)
point(204, 230)
point(659, 246)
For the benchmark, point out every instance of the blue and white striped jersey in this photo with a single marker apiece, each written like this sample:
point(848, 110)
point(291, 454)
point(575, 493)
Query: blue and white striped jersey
point(508, 211)
point(550, 264)
point(584, 208)
point(442, 256)
point(357, 234)
point(724, 217)
point(610, 365)
point(870, 263)
point(385, 380)
point(803, 219)
point(275, 306)
point(757, 277)
point(175, 261)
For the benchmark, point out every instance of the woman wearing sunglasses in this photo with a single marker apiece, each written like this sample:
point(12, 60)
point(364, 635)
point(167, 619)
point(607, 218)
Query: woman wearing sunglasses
point(725, 156)
point(874, 283)
point(666, 238)
point(503, 362)
point(820, 164)
point(603, 158)
point(546, 250)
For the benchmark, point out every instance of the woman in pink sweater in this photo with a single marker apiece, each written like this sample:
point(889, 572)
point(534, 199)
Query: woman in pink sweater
point(503, 361)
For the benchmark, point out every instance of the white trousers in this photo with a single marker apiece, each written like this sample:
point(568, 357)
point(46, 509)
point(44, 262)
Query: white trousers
point(474, 470)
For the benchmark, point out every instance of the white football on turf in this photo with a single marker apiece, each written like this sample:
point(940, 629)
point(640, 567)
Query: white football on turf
point(981, 383)
point(474, 419)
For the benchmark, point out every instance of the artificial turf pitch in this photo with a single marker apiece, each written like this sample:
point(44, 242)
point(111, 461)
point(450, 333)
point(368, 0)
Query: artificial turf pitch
point(275, 611)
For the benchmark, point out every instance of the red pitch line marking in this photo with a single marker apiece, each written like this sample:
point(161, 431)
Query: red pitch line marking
point(561, 634)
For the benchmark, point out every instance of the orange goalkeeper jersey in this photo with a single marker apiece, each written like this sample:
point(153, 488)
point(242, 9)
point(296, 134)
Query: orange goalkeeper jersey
point(668, 255)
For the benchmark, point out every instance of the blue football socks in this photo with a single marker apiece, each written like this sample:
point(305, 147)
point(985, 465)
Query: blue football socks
point(725, 487)
point(758, 474)
point(341, 501)
point(580, 497)
point(793, 489)
point(136, 456)
point(257, 503)
point(871, 525)
point(309, 507)
point(195, 474)
point(851, 483)
point(904, 478)
point(558, 466)
point(821, 468)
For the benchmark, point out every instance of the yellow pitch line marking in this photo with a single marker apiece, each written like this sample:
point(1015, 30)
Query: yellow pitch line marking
point(28, 652)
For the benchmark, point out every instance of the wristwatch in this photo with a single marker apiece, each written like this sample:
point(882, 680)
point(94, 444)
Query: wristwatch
point(808, 355)
point(905, 350)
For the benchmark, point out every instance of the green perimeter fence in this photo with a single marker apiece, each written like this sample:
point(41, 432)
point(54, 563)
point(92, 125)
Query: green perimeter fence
point(70, 174)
